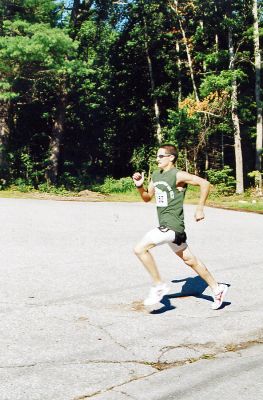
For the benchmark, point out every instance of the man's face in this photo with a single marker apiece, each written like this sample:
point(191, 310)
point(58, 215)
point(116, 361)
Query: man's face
point(163, 158)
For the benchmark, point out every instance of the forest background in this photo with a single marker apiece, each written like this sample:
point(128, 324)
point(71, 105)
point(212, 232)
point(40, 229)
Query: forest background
point(89, 90)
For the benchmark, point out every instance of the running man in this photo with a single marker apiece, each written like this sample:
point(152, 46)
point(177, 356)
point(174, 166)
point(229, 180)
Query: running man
point(169, 186)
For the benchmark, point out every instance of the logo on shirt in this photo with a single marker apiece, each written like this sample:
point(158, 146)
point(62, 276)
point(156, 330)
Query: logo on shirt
point(161, 195)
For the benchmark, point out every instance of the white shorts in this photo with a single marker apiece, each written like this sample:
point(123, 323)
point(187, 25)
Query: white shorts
point(156, 237)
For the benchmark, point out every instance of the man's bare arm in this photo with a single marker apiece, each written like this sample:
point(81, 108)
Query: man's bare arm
point(146, 195)
point(189, 179)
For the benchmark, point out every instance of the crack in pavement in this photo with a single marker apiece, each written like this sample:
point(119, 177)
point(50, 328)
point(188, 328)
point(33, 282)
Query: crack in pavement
point(104, 330)
point(189, 346)
point(83, 397)
point(20, 366)
point(160, 366)
point(125, 394)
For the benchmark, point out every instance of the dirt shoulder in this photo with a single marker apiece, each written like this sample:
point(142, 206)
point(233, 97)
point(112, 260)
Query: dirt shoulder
point(85, 195)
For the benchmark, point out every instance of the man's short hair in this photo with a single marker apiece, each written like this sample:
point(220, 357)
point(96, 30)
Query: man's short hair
point(170, 149)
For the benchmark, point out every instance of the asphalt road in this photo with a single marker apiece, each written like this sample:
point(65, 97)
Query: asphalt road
point(72, 321)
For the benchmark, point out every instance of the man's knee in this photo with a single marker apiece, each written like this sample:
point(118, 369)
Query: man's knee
point(187, 257)
point(137, 250)
point(140, 249)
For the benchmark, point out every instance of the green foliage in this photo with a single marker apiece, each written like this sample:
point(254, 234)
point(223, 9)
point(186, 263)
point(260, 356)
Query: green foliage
point(6, 92)
point(112, 185)
point(221, 81)
point(22, 185)
point(73, 183)
point(222, 179)
point(182, 128)
point(99, 62)
point(257, 177)
point(58, 190)
point(215, 58)
point(31, 171)
point(144, 158)
point(255, 174)
point(24, 44)
point(32, 11)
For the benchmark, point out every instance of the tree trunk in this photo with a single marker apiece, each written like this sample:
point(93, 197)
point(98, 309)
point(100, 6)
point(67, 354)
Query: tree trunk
point(4, 135)
point(188, 52)
point(75, 12)
point(150, 69)
point(216, 35)
point(79, 10)
point(186, 160)
point(179, 72)
point(222, 133)
point(222, 151)
point(55, 142)
point(206, 159)
point(201, 23)
point(235, 119)
point(258, 163)
point(216, 43)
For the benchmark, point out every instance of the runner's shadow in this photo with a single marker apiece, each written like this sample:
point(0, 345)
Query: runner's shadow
point(192, 287)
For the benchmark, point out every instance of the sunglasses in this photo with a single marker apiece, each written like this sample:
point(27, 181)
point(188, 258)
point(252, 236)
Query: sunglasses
point(163, 155)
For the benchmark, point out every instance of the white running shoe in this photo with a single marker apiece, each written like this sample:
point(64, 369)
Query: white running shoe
point(219, 297)
point(156, 294)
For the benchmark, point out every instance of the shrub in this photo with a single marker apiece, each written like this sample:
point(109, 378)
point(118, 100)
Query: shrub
point(71, 182)
point(223, 180)
point(47, 188)
point(22, 185)
point(112, 185)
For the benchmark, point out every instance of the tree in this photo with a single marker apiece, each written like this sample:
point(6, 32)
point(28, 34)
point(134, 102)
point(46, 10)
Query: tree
point(179, 13)
point(29, 51)
point(90, 87)
point(234, 114)
point(259, 123)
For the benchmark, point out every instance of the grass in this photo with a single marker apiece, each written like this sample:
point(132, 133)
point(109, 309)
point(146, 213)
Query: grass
point(233, 202)
point(238, 205)
point(15, 194)
point(246, 202)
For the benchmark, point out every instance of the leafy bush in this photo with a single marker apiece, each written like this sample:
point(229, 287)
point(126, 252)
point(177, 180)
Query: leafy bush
point(144, 158)
point(257, 175)
point(47, 188)
point(222, 179)
point(71, 182)
point(22, 185)
point(112, 185)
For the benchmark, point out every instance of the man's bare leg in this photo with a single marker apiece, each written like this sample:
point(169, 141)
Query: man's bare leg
point(160, 289)
point(190, 259)
point(147, 260)
point(219, 290)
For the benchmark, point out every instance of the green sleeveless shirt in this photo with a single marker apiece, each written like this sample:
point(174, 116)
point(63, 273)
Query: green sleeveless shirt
point(169, 200)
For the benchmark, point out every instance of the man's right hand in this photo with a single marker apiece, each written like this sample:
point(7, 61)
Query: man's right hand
point(138, 179)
